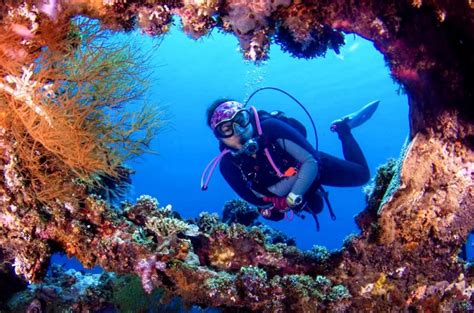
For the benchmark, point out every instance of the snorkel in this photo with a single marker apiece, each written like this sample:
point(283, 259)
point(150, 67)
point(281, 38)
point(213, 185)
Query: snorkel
point(246, 140)
point(249, 143)
point(250, 147)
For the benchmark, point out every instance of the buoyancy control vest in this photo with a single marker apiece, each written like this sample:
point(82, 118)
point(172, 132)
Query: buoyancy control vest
point(257, 171)
point(260, 175)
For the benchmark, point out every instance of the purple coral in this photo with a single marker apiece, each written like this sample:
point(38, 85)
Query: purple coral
point(146, 269)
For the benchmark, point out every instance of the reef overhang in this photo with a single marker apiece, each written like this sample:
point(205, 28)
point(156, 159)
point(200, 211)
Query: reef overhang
point(407, 253)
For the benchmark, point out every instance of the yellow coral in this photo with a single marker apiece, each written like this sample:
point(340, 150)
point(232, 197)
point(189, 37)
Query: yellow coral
point(382, 286)
point(221, 256)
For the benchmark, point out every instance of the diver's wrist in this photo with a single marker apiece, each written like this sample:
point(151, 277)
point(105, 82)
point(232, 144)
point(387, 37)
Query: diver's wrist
point(293, 199)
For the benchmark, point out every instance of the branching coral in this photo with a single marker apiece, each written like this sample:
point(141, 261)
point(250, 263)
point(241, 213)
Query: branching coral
point(207, 222)
point(63, 107)
point(168, 226)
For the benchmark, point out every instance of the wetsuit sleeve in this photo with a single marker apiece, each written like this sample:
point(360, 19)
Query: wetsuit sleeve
point(293, 142)
point(309, 166)
point(233, 176)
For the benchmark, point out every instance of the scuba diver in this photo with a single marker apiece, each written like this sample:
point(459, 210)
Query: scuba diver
point(268, 162)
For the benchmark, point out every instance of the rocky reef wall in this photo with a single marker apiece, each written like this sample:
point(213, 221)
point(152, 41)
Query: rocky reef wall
point(407, 254)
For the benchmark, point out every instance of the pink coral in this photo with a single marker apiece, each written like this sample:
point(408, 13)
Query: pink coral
point(197, 17)
point(22, 31)
point(50, 8)
point(250, 22)
point(146, 269)
point(154, 21)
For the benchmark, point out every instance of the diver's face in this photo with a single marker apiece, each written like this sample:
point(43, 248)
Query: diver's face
point(240, 136)
point(236, 130)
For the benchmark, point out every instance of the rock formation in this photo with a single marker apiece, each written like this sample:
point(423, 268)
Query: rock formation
point(407, 254)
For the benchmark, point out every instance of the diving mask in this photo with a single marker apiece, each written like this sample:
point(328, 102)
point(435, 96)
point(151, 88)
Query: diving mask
point(235, 124)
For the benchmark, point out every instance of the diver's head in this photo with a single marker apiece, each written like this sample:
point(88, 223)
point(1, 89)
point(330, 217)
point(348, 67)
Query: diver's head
point(230, 122)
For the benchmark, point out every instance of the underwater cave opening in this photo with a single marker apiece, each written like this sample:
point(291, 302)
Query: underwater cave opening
point(191, 74)
point(187, 75)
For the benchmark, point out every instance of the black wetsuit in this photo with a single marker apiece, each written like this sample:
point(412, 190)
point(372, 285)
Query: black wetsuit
point(252, 177)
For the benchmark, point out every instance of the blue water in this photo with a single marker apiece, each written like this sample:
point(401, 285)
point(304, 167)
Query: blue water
point(189, 75)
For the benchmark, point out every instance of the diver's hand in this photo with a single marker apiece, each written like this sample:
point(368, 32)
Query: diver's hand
point(279, 203)
point(266, 212)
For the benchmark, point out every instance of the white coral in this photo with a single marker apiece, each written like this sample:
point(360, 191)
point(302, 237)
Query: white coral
point(462, 285)
point(29, 12)
point(168, 226)
point(150, 199)
point(23, 88)
point(12, 177)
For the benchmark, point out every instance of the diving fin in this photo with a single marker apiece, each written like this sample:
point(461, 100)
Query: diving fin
point(358, 118)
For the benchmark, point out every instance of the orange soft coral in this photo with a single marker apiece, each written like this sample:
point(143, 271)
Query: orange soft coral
point(62, 103)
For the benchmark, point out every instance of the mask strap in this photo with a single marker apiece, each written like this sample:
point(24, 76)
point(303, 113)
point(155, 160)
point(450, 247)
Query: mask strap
point(267, 153)
point(211, 165)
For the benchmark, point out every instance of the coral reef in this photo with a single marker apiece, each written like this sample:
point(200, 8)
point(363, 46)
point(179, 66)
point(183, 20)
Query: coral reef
point(73, 291)
point(62, 127)
point(63, 290)
point(239, 211)
point(426, 43)
point(303, 36)
point(406, 257)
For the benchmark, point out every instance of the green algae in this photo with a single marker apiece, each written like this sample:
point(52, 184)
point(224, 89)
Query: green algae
point(129, 295)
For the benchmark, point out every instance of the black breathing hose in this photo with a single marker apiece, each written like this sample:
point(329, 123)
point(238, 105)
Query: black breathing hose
point(294, 99)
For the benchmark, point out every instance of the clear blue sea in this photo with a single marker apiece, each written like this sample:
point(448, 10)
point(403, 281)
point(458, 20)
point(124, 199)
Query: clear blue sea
point(188, 75)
